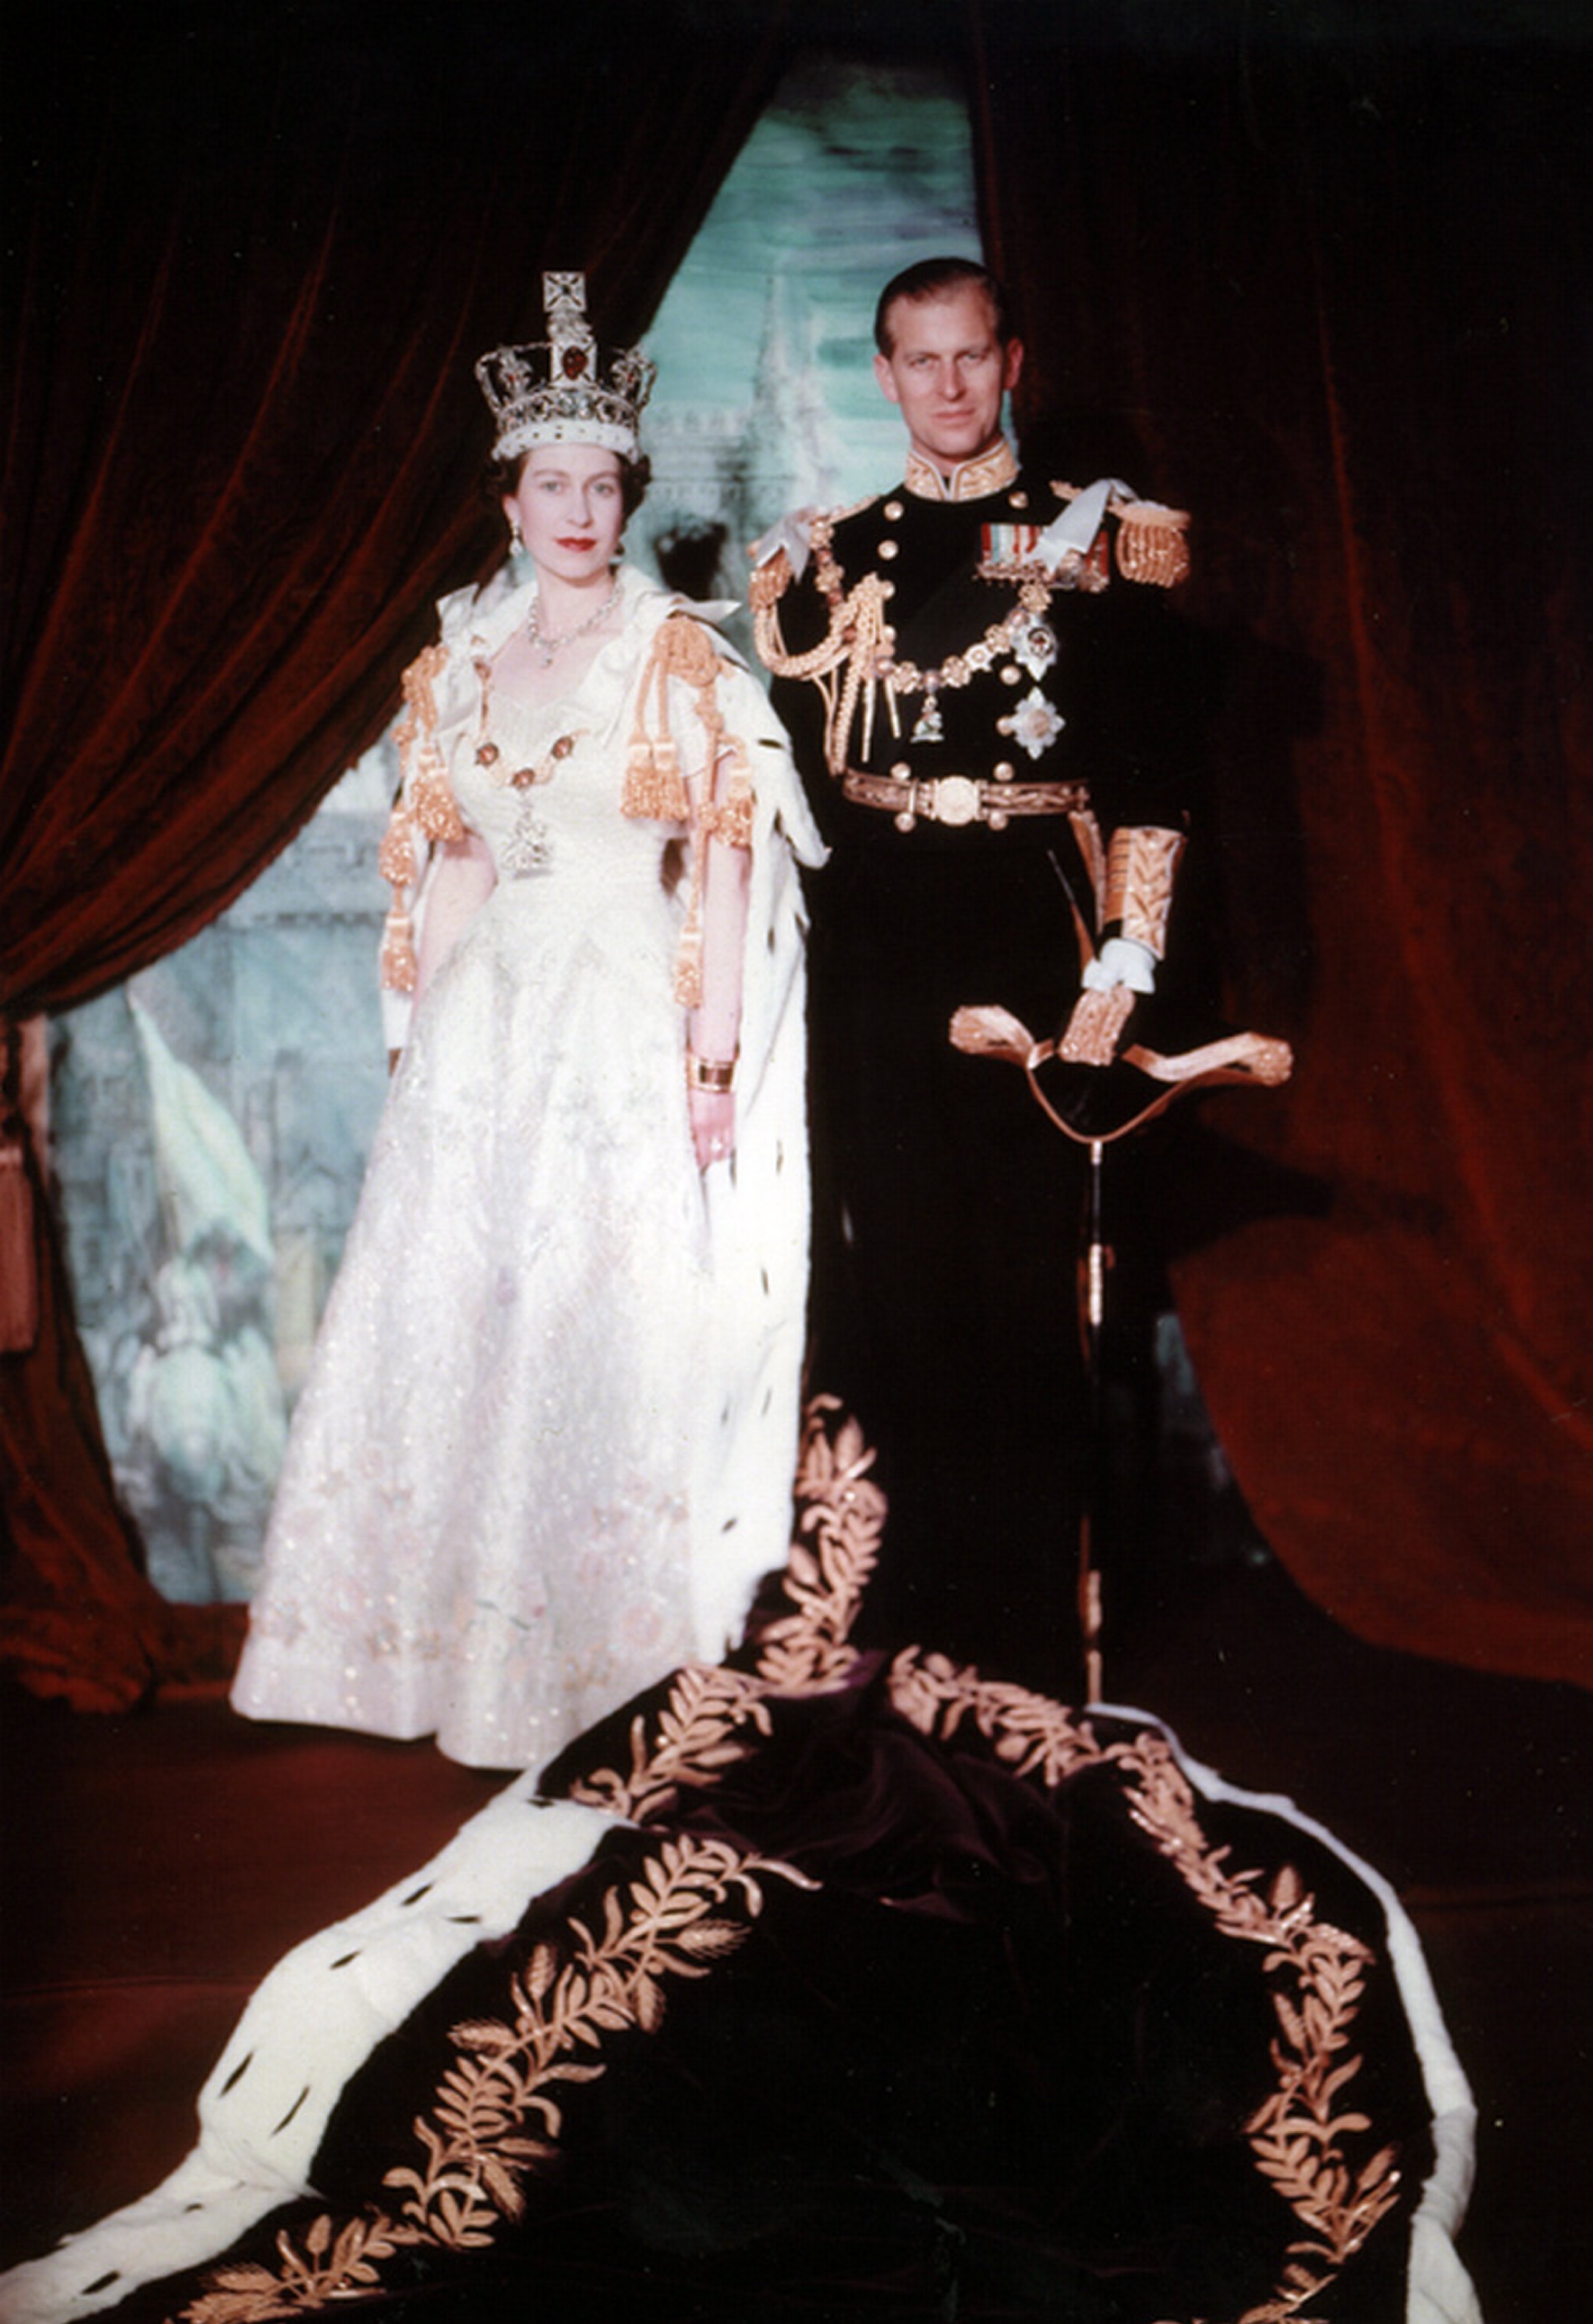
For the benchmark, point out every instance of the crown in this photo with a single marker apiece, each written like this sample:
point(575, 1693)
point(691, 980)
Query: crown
point(563, 390)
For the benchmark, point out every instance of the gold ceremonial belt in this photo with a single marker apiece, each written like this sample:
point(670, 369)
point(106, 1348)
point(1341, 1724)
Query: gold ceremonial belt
point(962, 799)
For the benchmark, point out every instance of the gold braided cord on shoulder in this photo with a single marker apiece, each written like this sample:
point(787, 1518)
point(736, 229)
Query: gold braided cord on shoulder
point(425, 805)
point(846, 659)
point(425, 774)
point(655, 788)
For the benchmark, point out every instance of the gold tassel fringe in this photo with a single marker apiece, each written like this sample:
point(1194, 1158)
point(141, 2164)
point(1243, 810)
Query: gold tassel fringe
point(399, 967)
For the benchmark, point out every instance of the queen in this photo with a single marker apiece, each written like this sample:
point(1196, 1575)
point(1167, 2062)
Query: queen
point(546, 1448)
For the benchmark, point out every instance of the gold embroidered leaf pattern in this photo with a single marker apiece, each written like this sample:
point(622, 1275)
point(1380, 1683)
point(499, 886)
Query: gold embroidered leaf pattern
point(1035, 1736)
point(1296, 2136)
point(687, 1908)
point(669, 1924)
point(328, 2267)
point(695, 1738)
point(841, 1517)
point(701, 1728)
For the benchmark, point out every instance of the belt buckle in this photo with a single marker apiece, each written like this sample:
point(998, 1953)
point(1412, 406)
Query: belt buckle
point(956, 799)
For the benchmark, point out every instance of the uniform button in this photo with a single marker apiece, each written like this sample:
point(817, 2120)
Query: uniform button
point(1018, 499)
point(890, 548)
point(1003, 770)
point(893, 510)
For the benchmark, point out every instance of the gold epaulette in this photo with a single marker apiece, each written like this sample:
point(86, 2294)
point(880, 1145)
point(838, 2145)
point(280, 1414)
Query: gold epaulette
point(1151, 543)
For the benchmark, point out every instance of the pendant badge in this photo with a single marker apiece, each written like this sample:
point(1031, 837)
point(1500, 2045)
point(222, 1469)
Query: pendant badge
point(528, 848)
point(1036, 646)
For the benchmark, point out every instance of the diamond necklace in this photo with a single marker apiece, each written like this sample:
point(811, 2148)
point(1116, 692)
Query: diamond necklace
point(546, 647)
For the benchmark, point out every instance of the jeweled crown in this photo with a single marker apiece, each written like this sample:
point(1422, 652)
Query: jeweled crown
point(564, 389)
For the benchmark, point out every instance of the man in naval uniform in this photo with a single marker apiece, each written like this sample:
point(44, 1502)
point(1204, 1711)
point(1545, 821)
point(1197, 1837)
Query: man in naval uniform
point(975, 669)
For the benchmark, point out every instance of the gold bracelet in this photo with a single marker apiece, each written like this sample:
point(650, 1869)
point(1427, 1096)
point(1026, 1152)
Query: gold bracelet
point(709, 1073)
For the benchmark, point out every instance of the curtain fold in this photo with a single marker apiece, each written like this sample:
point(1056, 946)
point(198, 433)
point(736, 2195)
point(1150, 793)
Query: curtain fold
point(252, 259)
point(1325, 292)
point(1329, 294)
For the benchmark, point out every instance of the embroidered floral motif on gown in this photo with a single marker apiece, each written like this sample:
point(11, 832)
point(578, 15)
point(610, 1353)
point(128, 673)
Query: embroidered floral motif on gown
point(525, 1443)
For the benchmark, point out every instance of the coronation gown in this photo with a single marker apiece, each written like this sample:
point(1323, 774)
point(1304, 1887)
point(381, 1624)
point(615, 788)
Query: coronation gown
point(546, 1445)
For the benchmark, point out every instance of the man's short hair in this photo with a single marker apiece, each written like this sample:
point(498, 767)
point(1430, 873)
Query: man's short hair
point(932, 278)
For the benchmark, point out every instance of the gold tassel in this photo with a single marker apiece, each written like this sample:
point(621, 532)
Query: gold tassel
point(688, 960)
point(395, 858)
point(398, 952)
point(654, 790)
point(730, 818)
point(427, 795)
point(432, 797)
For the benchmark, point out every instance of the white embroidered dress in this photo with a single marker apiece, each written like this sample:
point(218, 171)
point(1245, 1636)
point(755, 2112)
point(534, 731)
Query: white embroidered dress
point(547, 1446)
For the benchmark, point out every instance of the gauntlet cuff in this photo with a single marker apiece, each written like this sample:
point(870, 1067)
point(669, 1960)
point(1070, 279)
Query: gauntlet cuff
point(1140, 866)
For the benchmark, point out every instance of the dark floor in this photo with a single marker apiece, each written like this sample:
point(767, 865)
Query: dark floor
point(156, 1864)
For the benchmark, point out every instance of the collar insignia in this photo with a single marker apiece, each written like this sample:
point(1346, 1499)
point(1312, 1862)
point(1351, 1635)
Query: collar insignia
point(971, 482)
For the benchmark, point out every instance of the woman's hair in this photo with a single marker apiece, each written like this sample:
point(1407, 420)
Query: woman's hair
point(502, 477)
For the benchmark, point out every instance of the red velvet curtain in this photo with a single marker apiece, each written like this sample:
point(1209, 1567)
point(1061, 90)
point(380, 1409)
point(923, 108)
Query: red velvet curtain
point(1334, 284)
point(252, 255)
point(1338, 288)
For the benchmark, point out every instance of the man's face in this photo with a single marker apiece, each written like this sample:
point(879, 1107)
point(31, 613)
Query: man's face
point(948, 371)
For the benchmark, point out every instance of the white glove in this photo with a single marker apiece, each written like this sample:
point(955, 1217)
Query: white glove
point(1121, 960)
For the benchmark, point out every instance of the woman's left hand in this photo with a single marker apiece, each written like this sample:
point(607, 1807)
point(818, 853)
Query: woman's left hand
point(712, 1124)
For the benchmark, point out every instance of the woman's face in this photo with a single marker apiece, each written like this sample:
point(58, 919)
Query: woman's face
point(571, 511)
